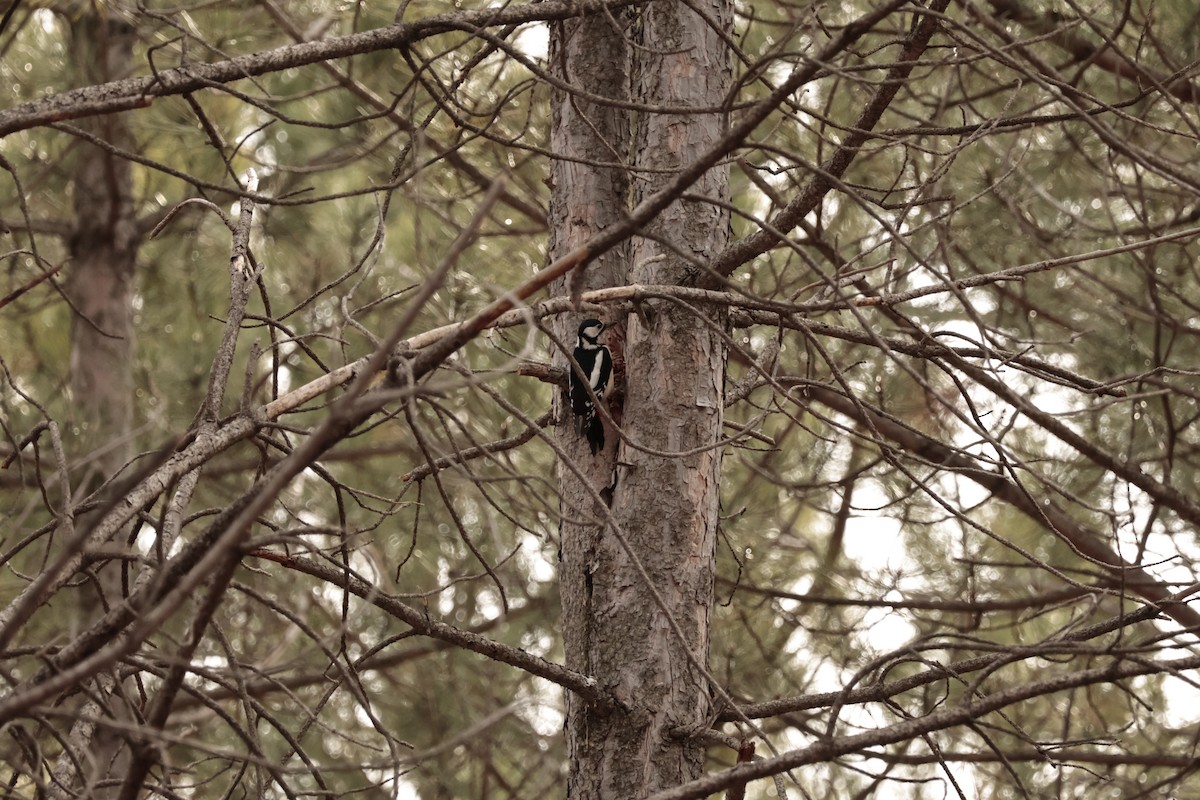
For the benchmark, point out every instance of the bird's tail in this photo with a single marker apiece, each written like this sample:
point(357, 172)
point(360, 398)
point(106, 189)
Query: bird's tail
point(595, 432)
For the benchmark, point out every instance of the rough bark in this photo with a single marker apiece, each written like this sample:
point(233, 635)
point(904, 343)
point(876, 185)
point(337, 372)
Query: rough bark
point(665, 503)
point(593, 54)
point(587, 195)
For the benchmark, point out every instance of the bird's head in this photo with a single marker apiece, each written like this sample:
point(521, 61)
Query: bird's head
point(589, 333)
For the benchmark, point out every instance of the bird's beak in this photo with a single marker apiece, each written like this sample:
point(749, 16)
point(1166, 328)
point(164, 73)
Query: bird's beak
point(604, 327)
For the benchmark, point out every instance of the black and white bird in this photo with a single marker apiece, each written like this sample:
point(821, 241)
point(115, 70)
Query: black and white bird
point(595, 361)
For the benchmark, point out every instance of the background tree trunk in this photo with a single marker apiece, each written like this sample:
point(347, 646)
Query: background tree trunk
point(103, 248)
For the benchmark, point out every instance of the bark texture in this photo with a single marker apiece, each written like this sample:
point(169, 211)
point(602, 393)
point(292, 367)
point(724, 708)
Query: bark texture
point(590, 190)
point(665, 502)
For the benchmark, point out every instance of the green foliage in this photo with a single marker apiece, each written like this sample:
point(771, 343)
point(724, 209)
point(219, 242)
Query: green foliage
point(981, 164)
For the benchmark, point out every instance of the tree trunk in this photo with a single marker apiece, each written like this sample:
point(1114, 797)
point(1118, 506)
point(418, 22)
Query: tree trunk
point(664, 504)
point(103, 249)
point(591, 52)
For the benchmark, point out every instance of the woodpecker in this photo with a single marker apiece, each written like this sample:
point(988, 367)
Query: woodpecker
point(595, 361)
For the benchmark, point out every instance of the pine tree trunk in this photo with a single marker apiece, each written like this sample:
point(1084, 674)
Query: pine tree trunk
point(593, 53)
point(103, 251)
point(103, 248)
point(664, 504)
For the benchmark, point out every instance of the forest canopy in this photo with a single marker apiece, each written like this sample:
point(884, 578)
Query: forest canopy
point(898, 490)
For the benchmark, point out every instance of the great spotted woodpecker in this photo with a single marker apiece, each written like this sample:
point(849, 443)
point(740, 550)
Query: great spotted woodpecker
point(595, 361)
